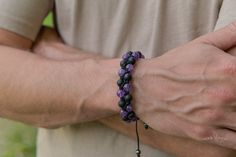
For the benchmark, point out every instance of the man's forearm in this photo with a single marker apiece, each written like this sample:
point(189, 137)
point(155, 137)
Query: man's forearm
point(178, 146)
point(48, 93)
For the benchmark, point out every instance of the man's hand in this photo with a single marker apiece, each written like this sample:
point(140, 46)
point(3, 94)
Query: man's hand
point(50, 47)
point(191, 91)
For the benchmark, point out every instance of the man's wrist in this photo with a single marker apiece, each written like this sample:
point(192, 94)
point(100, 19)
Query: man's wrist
point(146, 71)
point(104, 97)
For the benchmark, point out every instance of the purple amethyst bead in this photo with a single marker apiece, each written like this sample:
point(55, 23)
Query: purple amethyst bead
point(126, 55)
point(136, 55)
point(125, 73)
point(127, 87)
point(120, 93)
point(129, 108)
point(121, 72)
point(123, 114)
point(129, 67)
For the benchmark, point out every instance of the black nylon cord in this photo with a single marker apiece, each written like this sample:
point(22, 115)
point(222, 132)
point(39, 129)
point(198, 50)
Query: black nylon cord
point(138, 152)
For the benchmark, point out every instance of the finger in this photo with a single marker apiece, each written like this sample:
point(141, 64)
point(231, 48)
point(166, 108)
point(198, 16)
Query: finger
point(224, 38)
point(232, 51)
point(172, 125)
point(169, 124)
point(223, 137)
point(228, 121)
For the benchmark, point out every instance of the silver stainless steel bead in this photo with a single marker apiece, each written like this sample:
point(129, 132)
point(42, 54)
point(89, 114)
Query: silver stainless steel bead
point(138, 152)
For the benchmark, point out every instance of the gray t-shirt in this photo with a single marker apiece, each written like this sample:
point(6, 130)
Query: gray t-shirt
point(109, 28)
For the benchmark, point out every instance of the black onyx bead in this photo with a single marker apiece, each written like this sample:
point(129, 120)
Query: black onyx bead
point(131, 115)
point(123, 63)
point(140, 54)
point(131, 60)
point(127, 76)
point(128, 98)
point(122, 103)
point(127, 103)
point(146, 126)
point(120, 82)
point(125, 119)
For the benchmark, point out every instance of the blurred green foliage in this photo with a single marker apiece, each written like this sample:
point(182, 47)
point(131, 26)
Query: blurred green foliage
point(17, 139)
point(49, 20)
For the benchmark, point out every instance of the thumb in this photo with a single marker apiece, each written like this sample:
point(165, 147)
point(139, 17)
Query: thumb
point(224, 38)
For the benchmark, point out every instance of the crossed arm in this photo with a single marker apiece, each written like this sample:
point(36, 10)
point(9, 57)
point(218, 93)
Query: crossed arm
point(50, 47)
point(48, 93)
point(45, 92)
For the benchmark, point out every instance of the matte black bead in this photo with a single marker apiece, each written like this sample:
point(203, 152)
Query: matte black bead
point(131, 115)
point(125, 119)
point(146, 126)
point(131, 60)
point(128, 98)
point(120, 82)
point(127, 76)
point(140, 54)
point(127, 103)
point(122, 103)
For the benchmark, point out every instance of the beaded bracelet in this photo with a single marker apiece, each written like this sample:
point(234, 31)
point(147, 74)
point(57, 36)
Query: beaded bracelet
point(124, 92)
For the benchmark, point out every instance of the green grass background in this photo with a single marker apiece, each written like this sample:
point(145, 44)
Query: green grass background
point(17, 139)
